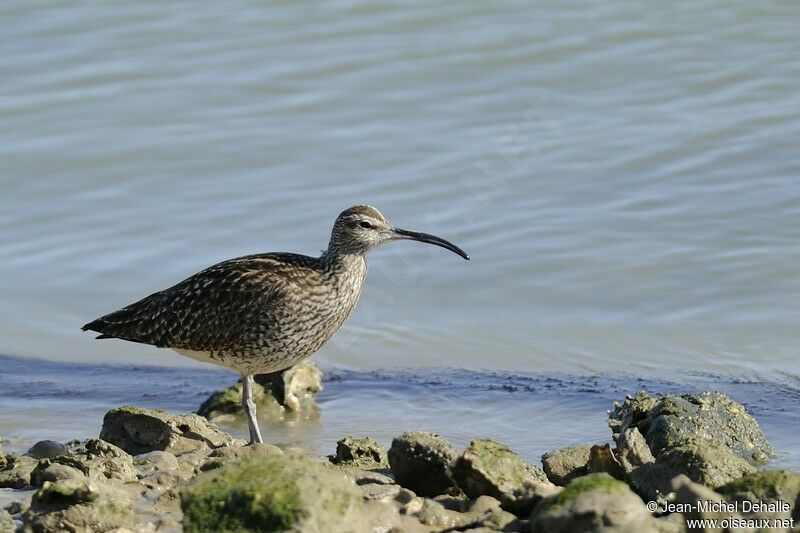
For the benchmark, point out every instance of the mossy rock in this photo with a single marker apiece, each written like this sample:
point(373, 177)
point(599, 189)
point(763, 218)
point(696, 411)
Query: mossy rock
point(707, 463)
point(277, 493)
point(668, 421)
point(765, 486)
point(592, 482)
point(294, 389)
point(490, 468)
point(228, 402)
point(589, 503)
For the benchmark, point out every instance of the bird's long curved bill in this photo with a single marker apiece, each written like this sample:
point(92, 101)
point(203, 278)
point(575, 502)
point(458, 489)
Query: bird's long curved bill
point(430, 239)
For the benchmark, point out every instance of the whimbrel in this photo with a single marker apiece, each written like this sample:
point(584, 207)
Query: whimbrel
point(266, 312)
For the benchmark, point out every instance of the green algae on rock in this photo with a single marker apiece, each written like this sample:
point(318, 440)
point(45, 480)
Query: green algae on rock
point(226, 404)
point(703, 462)
point(766, 486)
point(294, 389)
point(489, 468)
point(277, 493)
point(667, 421)
point(590, 502)
point(590, 482)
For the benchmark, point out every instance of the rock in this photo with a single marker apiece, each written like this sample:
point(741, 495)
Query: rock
point(78, 505)
point(47, 449)
point(688, 496)
point(294, 388)
point(221, 456)
point(433, 514)
point(6, 523)
point(225, 405)
point(667, 421)
point(486, 512)
point(590, 503)
point(421, 461)
point(385, 516)
point(96, 459)
point(601, 459)
point(410, 502)
point(535, 491)
point(138, 431)
point(671, 523)
point(161, 472)
point(703, 462)
point(52, 472)
point(565, 464)
point(489, 468)
point(17, 471)
point(364, 453)
point(766, 486)
point(363, 477)
point(275, 493)
point(298, 385)
point(632, 450)
point(147, 463)
point(378, 491)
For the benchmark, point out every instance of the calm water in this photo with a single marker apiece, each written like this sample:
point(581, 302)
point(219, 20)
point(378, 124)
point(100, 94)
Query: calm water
point(625, 176)
point(532, 413)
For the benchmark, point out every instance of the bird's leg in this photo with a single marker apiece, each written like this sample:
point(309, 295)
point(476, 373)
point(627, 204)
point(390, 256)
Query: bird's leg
point(249, 407)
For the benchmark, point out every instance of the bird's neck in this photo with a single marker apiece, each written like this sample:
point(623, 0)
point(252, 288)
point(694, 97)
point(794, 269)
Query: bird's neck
point(339, 261)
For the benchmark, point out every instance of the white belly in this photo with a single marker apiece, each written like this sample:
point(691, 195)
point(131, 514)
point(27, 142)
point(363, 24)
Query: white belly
point(206, 357)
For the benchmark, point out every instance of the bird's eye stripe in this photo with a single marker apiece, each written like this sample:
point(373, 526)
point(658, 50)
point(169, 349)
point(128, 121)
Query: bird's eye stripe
point(365, 224)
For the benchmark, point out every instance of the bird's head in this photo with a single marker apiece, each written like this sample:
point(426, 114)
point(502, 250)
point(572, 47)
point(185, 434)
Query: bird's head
point(362, 227)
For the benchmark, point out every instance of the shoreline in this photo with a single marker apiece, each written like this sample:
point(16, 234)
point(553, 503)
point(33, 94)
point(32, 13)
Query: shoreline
point(672, 457)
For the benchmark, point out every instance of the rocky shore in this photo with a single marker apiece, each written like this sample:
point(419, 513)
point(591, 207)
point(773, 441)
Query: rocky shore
point(670, 459)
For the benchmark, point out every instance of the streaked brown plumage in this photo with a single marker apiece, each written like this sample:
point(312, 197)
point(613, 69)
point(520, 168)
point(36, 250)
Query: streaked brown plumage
point(262, 313)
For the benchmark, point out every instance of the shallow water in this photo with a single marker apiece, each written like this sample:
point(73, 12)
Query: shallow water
point(532, 413)
point(624, 176)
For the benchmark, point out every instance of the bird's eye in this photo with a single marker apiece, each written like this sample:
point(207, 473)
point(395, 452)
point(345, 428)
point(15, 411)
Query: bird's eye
point(365, 224)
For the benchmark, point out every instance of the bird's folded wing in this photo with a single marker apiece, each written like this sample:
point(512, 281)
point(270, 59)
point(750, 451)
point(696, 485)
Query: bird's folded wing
point(213, 310)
